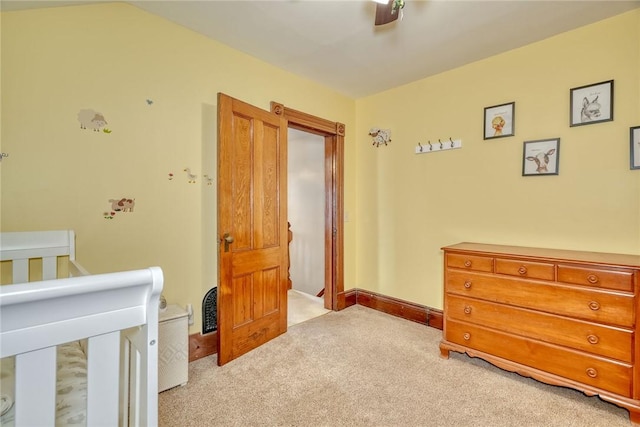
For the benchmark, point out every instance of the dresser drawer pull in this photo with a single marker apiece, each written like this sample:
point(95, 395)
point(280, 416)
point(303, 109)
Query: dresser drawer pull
point(592, 372)
point(593, 339)
point(594, 305)
point(467, 263)
point(467, 284)
point(467, 309)
point(466, 336)
point(522, 270)
point(592, 278)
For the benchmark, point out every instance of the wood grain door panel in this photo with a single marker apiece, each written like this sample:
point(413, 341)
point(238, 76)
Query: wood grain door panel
point(252, 216)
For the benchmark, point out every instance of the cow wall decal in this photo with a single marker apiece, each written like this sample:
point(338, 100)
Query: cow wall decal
point(122, 204)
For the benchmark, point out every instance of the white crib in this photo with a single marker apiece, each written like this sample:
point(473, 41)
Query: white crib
point(114, 316)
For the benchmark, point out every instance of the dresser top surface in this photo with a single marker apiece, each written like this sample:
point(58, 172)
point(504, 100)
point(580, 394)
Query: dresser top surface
point(547, 254)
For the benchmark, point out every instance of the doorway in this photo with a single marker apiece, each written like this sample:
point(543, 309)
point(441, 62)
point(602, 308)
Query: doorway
point(306, 207)
point(333, 135)
point(306, 215)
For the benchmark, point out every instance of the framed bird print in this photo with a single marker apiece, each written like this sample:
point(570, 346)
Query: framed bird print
point(499, 121)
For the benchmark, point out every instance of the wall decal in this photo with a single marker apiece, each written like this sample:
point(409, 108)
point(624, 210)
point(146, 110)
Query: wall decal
point(191, 177)
point(380, 136)
point(105, 130)
point(119, 205)
point(90, 119)
point(208, 179)
point(149, 101)
point(170, 176)
point(122, 205)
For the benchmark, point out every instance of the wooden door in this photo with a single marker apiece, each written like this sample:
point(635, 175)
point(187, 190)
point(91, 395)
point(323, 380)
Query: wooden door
point(252, 227)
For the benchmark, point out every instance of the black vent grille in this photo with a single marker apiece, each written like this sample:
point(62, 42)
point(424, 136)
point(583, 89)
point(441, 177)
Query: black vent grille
point(210, 311)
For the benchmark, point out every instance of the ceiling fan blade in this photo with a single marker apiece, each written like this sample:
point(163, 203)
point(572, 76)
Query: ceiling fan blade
point(384, 13)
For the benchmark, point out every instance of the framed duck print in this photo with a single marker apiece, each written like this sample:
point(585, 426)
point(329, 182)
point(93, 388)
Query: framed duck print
point(499, 121)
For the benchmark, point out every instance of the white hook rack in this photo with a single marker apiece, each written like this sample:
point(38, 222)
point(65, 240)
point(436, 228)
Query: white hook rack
point(430, 147)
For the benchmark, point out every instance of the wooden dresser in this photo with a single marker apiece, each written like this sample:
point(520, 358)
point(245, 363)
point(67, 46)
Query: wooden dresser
point(562, 317)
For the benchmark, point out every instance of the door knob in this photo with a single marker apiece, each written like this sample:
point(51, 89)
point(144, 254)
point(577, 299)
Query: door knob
point(228, 239)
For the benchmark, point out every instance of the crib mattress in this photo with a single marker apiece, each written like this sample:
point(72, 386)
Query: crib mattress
point(71, 386)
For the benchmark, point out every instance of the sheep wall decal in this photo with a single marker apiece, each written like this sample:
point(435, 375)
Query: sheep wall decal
point(90, 119)
point(380, 136)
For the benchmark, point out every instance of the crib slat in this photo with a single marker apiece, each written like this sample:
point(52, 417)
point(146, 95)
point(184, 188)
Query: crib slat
point(20, 270)
point(135, 400)
point(124, 374)
point(35, 393)
point(103, 370)
point(49, 268)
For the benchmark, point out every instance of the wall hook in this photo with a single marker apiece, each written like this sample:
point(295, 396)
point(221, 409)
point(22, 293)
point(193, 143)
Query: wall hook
point(443, 146)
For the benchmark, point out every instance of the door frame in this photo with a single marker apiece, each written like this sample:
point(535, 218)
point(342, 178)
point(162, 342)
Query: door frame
point(333, 133)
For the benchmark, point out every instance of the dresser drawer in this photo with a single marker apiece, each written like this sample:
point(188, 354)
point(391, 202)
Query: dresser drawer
point(598, 305)
point(470, 262)
point(528, 269)
point(610, 375)
point(612, 342)
point(602, 278)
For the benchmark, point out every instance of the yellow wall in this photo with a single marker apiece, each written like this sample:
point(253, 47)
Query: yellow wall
point(112, 58)
point(409, 205)
point(402, 207)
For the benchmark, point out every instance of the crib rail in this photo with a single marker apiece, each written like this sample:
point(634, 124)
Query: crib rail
point(38, 316)
point(21, 247)
point(43, 314)
point(34, 244)
point(116, 313)
point(76, 270)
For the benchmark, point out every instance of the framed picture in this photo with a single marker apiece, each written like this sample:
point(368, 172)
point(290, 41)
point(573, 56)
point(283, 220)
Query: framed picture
point(499, 121)
point(591, 104)
point(634, 140)
point(541, 157)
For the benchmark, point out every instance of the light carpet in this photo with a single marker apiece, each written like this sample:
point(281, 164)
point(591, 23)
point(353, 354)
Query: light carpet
point(361, 367)
point(302, 307)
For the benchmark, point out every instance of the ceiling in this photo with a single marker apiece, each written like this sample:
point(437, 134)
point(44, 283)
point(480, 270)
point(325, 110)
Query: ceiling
point(336, 44)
